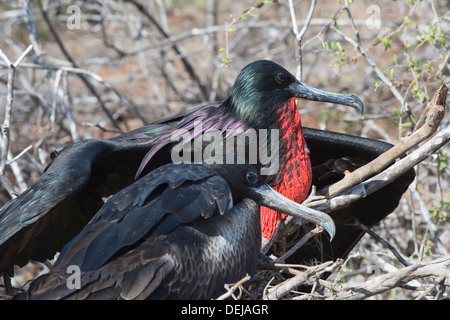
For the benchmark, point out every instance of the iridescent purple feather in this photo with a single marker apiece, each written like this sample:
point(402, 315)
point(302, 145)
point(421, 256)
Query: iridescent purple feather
point(211, 117)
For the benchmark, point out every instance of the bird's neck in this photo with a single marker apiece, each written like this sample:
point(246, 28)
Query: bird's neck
point(294, 178)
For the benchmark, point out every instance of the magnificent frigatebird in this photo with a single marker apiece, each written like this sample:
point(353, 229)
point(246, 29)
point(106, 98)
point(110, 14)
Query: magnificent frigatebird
point(36, 224)
point(181, 232)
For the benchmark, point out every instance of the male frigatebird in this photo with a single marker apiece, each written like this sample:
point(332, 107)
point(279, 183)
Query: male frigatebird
point(36, 224)
point(181, 232)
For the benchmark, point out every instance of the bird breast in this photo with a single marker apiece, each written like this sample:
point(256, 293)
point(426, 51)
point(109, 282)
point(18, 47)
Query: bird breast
point(225, 246)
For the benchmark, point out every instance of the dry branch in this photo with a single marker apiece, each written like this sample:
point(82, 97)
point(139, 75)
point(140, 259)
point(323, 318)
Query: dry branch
point(385, 243)
point(357, 44)
point(300, 243)
point(83, 78)
point(233, 288)
point(9, 103)
point(284, 288)
point(299, 34)
point(187, 65)
point(12, 67)
point(439, 269)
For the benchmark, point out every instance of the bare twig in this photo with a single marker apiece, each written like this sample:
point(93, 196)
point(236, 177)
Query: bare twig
point(188, 67)
point(299, 34)
point(233, 288)
point(385, 243)
point(64, 94)
point(12, 67)
point(285, 287)
point(439, 268)
point(357, 44)
point(84, 73)
point(427, 218)
point(300, 243)
point(75, 65)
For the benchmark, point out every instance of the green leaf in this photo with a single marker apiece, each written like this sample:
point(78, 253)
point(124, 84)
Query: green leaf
point(407, 124)
point(433, 29)
point(406, 20)
point(336, 25)
point(386, 43)
point(376, 84)
point(259, 4)
point(441, 40)
point(440, 213)
point(429, 37)
point(336, 45)
point(390, 72)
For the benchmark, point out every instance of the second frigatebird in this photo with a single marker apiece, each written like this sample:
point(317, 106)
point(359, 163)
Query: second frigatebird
point(36, 224)
point(181, 232)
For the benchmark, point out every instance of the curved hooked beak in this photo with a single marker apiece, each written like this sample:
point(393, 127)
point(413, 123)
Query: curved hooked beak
point(273, 200)
point(303, 91)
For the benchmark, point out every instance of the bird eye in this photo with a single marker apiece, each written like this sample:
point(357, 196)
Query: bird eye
point(53, 154)
point(280, 77)
point(252, 177)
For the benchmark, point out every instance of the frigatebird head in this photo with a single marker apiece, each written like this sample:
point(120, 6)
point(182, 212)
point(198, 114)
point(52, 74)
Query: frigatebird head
point(245, 182)
point(265, 82)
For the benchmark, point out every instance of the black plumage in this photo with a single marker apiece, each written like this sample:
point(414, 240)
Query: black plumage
point(36, 224)
point(39, 222)
point(180, 232)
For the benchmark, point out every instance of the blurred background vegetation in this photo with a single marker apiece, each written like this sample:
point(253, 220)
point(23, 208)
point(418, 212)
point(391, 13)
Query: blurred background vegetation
point(102, 67)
